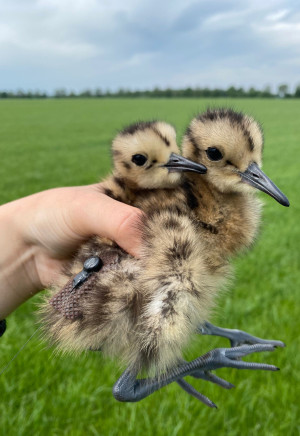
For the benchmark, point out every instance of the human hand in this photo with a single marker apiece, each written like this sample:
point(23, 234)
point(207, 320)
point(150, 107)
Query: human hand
point(40, 233)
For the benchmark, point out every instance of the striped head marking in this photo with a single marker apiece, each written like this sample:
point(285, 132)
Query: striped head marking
point(146, 156)
point(230, 145)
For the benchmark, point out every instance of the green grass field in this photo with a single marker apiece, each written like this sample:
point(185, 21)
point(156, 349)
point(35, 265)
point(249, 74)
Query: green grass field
point(52, 143)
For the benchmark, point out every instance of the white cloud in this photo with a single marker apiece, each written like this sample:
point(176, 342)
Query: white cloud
point(87, 43)
point(282, 34)
point(276, 16)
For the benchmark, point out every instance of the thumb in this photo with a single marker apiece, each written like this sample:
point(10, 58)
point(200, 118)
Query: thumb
point(98, 214)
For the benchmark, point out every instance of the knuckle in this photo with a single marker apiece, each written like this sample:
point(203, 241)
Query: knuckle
point(128, 222)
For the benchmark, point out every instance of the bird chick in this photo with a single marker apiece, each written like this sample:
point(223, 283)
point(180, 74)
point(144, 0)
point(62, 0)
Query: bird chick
point(145, 157)
point(193, 243)
point(230, 144)
point(145, 311)
point(101, 312)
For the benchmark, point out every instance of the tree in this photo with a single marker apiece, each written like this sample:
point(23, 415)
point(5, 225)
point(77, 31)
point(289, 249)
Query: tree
point(60, 93)
point(86, 93)
point(232, 92)
point(267, 92)
point(283, 90)
point(297, 91)
point(98, 92)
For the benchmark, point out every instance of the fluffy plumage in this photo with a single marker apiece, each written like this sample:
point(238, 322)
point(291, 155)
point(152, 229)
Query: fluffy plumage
point(143, 312)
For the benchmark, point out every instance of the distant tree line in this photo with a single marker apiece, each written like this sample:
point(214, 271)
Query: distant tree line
point(232, 92)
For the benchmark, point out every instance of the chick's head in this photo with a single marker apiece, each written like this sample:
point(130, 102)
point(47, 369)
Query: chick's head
point(230, 145)
point(146, 156)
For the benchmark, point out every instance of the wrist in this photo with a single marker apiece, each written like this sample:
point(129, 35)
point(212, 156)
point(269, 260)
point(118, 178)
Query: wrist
point(18, 276)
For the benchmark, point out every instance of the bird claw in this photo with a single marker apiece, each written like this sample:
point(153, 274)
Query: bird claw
point(246, 338)
point(208, 376)
point(224, 358)
point(213, 378)
point(130, 388)
point(192, 391)
point(227, 357)
point(236, 337)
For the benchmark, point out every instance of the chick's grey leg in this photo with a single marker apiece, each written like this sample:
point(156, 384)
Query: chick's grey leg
point(204, 375)
point(129, 388)
point(236, 337)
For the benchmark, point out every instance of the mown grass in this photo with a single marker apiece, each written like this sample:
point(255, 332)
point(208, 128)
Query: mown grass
point(50, 143)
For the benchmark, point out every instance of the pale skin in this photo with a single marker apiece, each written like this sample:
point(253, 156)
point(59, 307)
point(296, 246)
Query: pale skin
point(40, 233)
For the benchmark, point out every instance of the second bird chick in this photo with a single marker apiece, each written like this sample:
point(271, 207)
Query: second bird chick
point(145, 157)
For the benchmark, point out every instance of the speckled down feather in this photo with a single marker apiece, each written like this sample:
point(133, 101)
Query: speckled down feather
point(144, 311)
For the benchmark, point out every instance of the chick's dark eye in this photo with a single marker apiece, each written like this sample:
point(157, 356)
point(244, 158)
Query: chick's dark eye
point(214, 153)
point(139, 159)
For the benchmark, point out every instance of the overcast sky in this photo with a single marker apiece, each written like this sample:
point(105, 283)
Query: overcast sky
point(78, 44)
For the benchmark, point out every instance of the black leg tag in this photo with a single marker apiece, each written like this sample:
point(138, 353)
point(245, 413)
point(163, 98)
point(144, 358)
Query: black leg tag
point(67, 301)
point(92, 264)
point(80, 278)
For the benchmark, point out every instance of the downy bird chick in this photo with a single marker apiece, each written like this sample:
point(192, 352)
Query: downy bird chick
point(193, 243)
point(145, 158)
point(145, 311)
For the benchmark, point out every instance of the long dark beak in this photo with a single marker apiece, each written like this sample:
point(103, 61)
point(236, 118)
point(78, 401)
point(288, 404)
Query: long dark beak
point(180, 163)
point(254, 176)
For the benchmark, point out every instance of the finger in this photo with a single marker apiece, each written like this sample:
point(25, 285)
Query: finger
point(101, 215)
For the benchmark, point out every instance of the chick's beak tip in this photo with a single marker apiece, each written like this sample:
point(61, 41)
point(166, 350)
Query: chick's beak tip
point(255, 177)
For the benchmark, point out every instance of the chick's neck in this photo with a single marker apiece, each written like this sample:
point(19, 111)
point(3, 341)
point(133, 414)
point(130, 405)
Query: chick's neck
point(230, 221)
